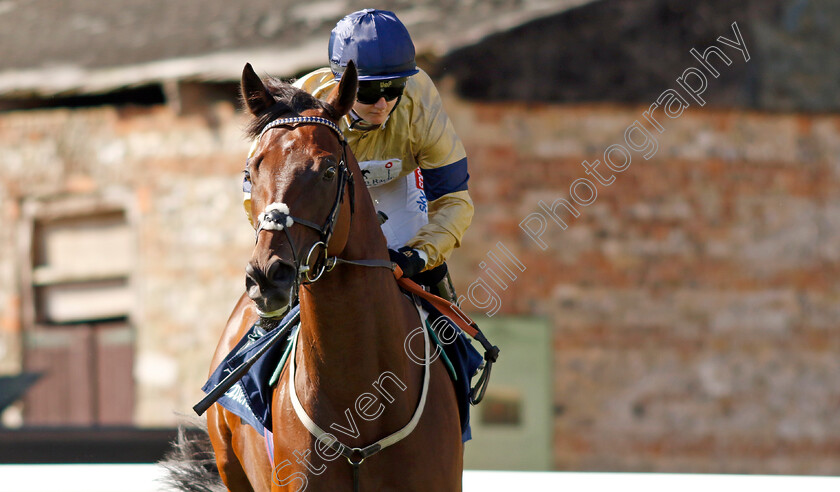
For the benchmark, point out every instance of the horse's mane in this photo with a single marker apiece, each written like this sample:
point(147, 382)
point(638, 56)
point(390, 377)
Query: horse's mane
point(290, 101)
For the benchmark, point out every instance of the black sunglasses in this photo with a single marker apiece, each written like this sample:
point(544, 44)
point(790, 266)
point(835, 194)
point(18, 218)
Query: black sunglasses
point(371, 90)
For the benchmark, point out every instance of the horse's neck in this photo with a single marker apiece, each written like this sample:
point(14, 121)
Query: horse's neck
point(354, 314)
point(354, 318)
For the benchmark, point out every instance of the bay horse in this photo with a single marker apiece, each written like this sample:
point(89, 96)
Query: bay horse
point(318, 240)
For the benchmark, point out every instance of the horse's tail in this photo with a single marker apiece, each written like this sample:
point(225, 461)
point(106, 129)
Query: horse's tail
point(191, 464)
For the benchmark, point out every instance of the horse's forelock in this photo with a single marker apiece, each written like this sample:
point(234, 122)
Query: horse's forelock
point(291, 101)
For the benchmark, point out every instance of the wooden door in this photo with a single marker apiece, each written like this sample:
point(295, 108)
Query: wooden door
point(79, 333)
point(87, 375)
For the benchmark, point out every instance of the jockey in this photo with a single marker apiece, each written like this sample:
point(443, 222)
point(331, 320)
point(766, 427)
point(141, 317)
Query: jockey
point(412, 161)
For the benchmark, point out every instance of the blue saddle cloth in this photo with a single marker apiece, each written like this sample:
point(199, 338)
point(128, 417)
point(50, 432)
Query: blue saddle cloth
point(250, 397)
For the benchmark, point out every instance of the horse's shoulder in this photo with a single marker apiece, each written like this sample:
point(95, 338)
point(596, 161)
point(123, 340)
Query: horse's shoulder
point(243, 316)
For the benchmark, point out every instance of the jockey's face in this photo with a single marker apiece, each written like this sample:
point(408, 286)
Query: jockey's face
point(375, 113)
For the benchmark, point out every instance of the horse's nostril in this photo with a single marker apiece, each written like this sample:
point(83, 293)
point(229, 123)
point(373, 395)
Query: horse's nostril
point(280, 272)
point(272, 270)
point(252, 282)
point(275, 275)
point(269, 287)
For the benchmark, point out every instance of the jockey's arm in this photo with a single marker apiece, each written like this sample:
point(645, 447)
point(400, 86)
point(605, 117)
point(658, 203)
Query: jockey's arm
point(443, 164)
point(449, 218)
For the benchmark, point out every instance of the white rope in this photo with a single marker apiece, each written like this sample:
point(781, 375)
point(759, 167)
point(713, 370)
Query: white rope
point(383, 443)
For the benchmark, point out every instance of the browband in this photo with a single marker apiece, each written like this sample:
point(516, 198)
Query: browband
point(303, 119)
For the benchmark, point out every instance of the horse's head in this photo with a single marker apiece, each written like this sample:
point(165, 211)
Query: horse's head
point(301, 187)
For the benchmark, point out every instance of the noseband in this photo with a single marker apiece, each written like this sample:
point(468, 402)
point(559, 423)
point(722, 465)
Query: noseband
point(277, 217)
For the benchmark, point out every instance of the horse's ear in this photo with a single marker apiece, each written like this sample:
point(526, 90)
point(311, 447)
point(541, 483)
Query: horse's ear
point(342, 97)
point(256, 97)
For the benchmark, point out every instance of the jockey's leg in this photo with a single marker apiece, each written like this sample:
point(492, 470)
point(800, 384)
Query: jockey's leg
point(438, 282)
point(446, 289)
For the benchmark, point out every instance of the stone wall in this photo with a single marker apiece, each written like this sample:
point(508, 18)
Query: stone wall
point(181, 180)
point(694, 300)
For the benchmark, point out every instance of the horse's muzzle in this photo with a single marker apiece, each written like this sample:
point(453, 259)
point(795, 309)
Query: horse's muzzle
point(270, 287)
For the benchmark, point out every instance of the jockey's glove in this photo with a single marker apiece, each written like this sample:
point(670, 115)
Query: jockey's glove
point(408, 259)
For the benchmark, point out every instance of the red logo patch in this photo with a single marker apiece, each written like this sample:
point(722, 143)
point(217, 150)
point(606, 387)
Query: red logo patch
point(418, 178)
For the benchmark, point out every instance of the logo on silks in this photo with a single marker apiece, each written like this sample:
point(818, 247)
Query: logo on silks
point(377, 173)
point(422, 205)
point(418, 179)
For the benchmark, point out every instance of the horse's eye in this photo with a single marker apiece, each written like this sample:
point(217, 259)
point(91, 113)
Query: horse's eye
point(329, 174)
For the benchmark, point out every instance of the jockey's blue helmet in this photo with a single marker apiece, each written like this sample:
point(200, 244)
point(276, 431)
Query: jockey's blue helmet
point(376, 41)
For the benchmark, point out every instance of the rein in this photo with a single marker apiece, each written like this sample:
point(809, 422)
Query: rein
point(277, 217)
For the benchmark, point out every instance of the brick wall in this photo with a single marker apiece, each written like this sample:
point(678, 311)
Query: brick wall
point(694, 302)
point(180, 179)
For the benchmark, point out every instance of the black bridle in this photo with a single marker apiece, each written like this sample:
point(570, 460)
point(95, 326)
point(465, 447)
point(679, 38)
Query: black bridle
point(277, 216)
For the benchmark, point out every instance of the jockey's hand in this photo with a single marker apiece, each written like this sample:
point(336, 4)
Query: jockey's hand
point(408, 260)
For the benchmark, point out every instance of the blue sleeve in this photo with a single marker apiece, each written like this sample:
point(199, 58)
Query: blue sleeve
point(445, 179)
